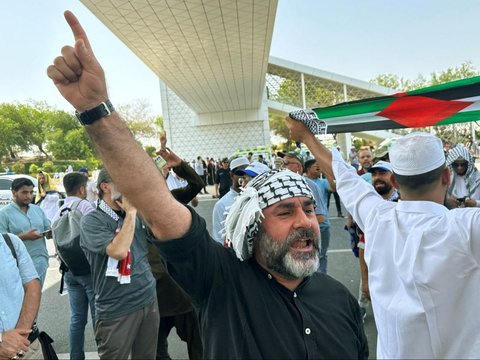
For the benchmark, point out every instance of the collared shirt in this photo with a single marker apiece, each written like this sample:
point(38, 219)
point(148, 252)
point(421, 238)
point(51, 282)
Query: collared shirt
point(423, 271)
point(112, 299)
point(244, 313)
point(12, 278)
point(15, 221)
point(220, 214)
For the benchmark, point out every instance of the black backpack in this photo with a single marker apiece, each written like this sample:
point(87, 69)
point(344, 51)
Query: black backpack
point(66, 236)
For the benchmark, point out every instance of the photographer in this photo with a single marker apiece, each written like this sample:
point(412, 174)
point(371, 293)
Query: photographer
point(464, 189)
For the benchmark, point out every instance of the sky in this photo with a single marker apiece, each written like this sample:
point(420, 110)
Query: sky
point(356, 38)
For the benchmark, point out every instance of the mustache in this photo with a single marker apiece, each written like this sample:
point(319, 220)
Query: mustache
point(379, 182)
point(303, 234)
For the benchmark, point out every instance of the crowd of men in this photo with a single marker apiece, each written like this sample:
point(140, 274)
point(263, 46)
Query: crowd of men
point(257, 287)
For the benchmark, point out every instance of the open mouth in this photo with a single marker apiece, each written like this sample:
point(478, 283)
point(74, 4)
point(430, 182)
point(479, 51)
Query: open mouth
point(302, 245)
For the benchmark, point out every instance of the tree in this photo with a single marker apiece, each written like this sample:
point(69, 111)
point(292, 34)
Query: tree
point(66, 139)
point(139, 118)
point(13, 136)
point(463, 71)
point(35, 117)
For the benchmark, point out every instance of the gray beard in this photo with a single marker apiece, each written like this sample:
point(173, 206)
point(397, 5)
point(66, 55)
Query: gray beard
point(278, 257)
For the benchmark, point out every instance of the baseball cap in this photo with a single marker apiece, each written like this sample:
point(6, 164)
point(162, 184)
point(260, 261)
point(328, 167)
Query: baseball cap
point(293, 154)
point(254, 169)
point(83, 170)
point(235, 163)
point(416, 153)
point(382, 165)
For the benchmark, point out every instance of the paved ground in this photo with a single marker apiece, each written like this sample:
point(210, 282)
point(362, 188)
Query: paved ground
point(54, 311)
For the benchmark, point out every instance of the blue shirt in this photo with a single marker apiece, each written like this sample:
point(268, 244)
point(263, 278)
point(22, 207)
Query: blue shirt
point(320, 208)
point(12, 278)
point(324, 188)
point(15, 221)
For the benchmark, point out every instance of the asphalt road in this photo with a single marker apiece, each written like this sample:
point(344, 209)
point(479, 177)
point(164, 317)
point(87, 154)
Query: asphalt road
point(54, 311)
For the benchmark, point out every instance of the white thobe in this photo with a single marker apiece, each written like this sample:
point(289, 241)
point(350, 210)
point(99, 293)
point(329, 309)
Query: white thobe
point(424, 274)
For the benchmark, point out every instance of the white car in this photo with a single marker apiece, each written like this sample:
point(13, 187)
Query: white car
point(6, 186)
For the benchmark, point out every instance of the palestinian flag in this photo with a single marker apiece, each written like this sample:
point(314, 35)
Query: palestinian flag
point(449, 103)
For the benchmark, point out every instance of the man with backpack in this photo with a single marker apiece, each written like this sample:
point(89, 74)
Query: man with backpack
point(66, 235)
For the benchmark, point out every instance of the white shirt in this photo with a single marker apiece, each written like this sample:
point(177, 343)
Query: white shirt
point(424, 274)
point(460, 189)
point(219, 215)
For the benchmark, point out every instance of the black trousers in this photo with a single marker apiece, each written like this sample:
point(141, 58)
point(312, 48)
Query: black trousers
point(187, 330)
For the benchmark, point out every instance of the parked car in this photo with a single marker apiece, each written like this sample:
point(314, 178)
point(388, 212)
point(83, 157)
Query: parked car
point(6, 185)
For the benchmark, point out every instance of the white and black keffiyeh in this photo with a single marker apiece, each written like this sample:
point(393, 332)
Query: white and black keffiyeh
point(245, 215)
point(472, 176)
point(108, 210)
point(311, 120)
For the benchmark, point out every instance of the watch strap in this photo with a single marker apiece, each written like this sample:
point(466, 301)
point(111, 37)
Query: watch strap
point(88, 117)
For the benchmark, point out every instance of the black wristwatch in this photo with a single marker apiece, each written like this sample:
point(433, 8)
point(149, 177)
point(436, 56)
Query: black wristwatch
point(88, 117)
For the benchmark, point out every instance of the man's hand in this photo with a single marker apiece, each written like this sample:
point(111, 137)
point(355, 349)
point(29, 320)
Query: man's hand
point(76, 73)
point(163, 140)
point(31, 234)
point(127, 206)
point(298, 131)
point(170, 157)
point(14, 341)
point(366, 290)
point(470, 203)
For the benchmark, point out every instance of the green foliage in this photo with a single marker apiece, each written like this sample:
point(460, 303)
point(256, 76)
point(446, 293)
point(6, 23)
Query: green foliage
point(48, 167)
point(33, 169)
point(463, 71)
point(151, 150)
point(139, 119)
point(18, 168)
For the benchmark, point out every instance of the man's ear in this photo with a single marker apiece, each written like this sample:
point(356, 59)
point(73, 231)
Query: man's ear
point(394, 182)
point(446, 176)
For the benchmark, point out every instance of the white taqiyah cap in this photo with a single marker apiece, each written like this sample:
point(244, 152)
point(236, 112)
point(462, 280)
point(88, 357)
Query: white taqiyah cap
point(416, 153)
point(235, 163)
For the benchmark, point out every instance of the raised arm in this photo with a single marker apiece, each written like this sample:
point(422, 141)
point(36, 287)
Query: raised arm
point(80, 79)
point(300, 133)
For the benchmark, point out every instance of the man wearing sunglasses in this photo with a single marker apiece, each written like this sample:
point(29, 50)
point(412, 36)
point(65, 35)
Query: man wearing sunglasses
point(464, 189)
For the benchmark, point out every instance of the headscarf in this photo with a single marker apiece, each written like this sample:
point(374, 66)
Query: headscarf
point(472, 176)
point(245, 215)
point(46, 187)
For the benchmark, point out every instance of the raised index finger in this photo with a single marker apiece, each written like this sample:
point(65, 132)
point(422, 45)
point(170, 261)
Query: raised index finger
point(77, 29)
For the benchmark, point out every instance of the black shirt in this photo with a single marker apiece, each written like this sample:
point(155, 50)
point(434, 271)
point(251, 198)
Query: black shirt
point(224, 180)
point(245, 314)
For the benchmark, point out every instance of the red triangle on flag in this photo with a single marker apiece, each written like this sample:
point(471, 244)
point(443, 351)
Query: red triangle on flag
point(420, 111)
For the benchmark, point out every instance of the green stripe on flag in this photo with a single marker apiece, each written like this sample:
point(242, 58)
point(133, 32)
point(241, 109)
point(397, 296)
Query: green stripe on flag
point(460, 117)
point(446, 86)
point(371, 106)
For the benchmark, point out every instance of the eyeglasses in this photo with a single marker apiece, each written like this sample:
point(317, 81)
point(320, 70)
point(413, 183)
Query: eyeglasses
point(462, 164)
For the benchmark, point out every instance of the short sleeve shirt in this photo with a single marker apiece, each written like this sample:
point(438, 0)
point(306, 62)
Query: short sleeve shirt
point(12, 278)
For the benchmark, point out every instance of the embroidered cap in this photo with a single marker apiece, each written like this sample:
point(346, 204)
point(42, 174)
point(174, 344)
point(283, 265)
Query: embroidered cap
point(416, 153)
point(382, 165)
point(254, 169)
point(244, 216)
